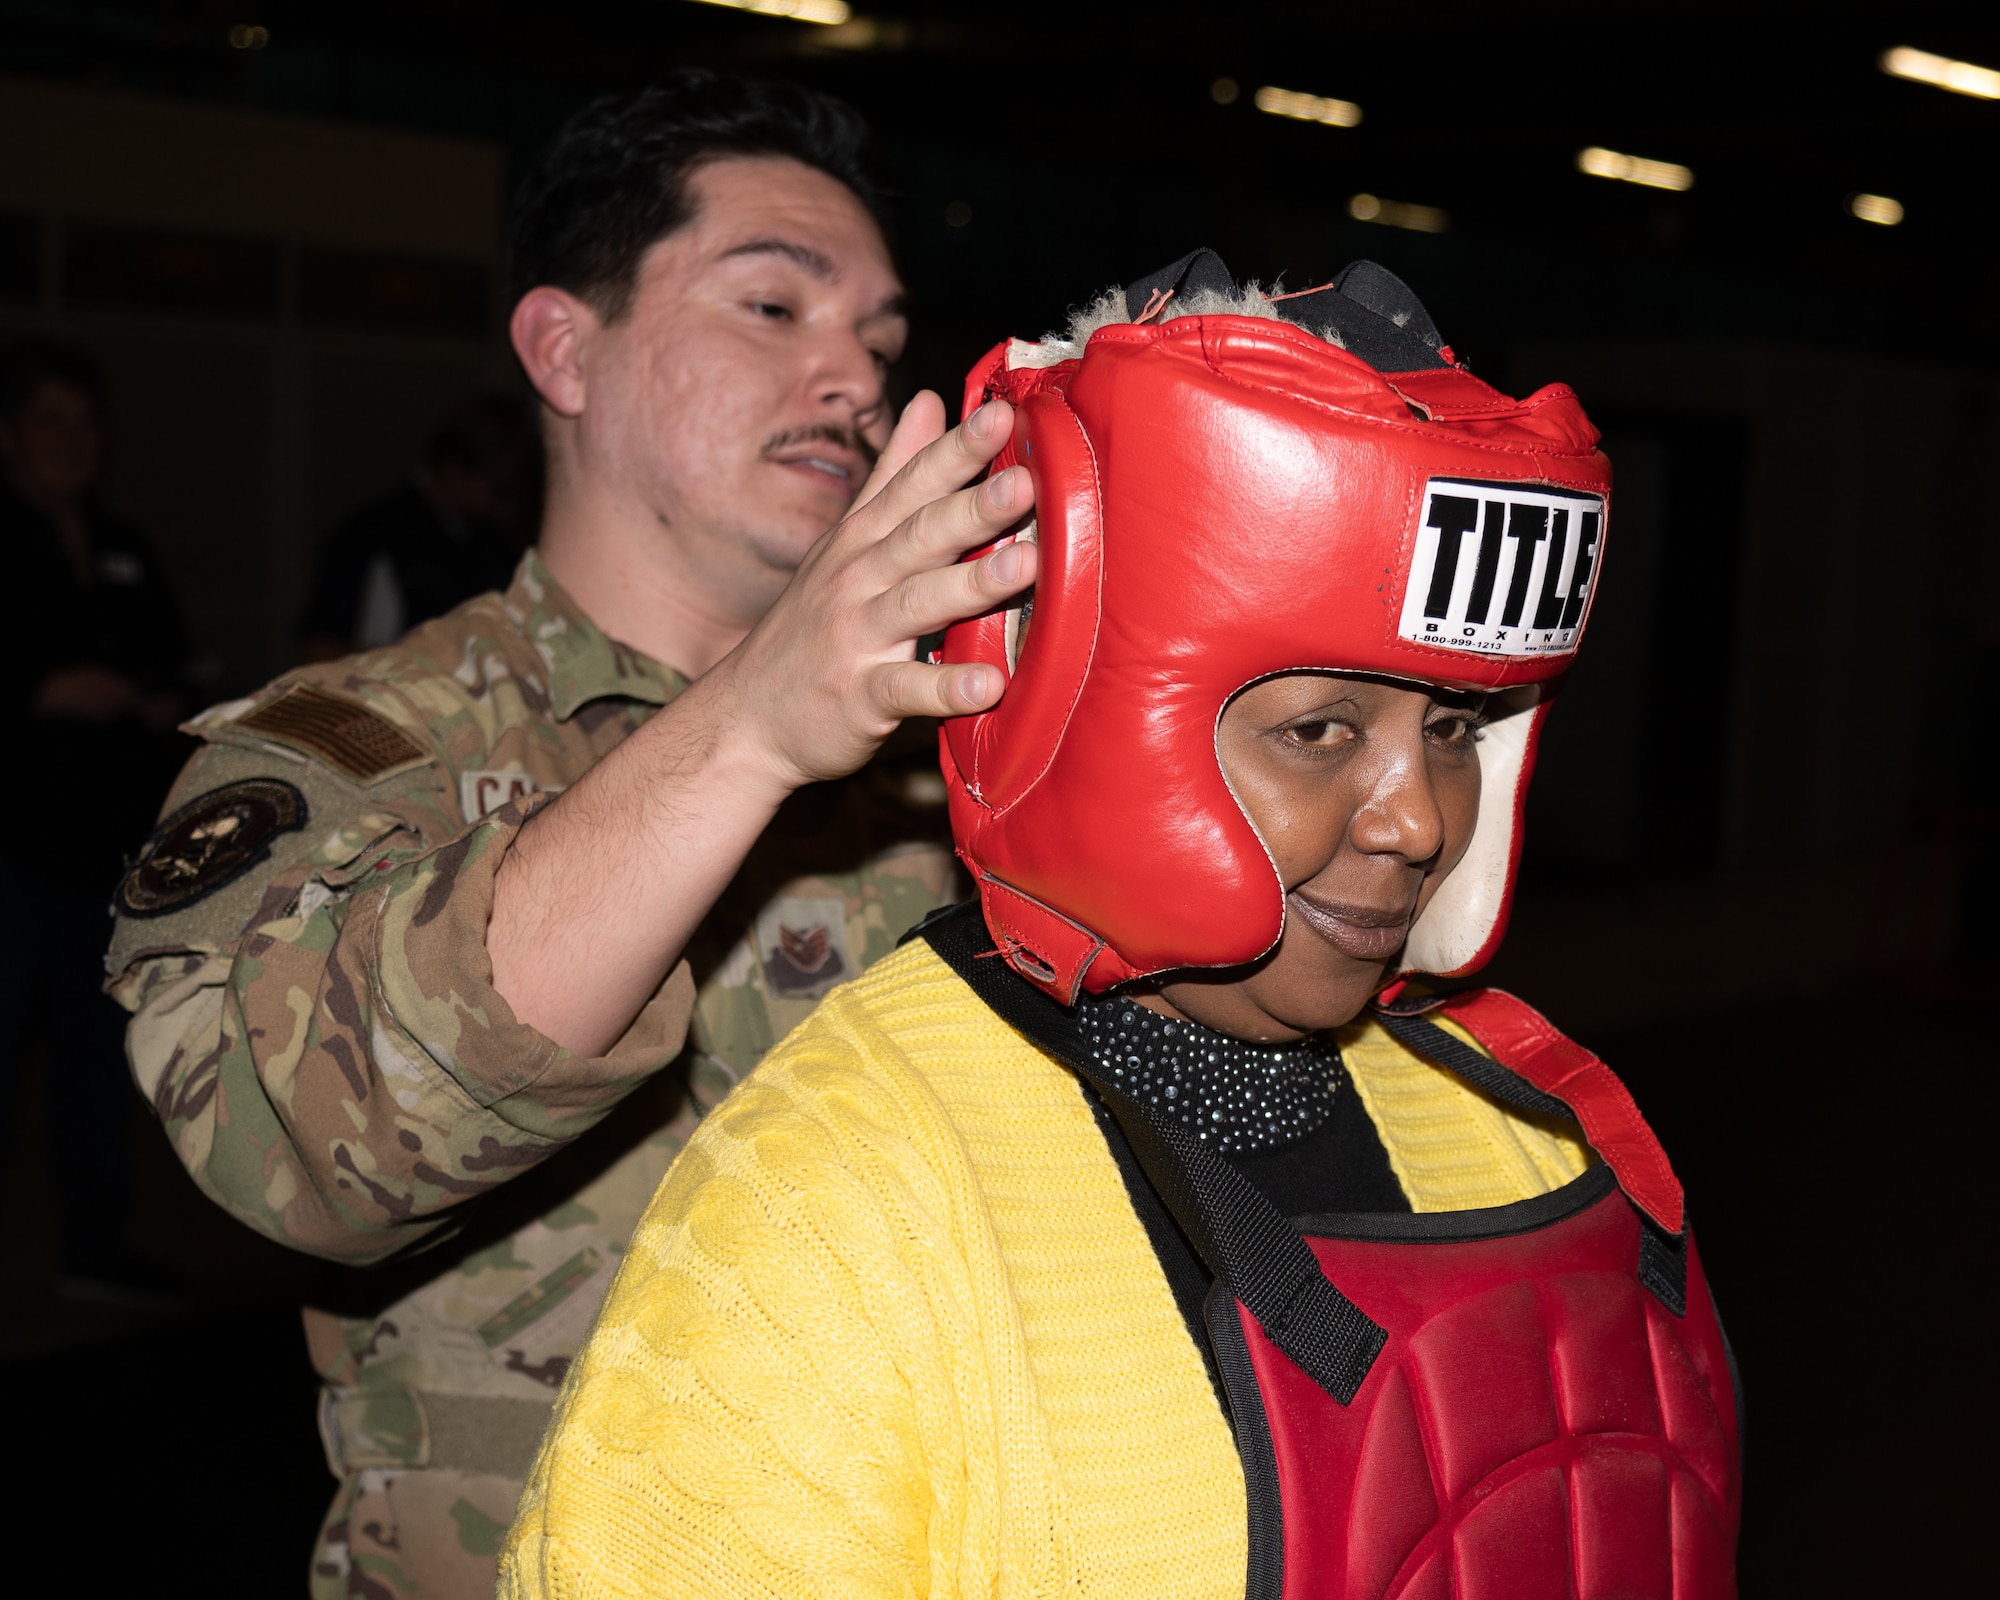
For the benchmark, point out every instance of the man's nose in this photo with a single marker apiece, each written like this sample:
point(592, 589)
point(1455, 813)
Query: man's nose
point(846, 376)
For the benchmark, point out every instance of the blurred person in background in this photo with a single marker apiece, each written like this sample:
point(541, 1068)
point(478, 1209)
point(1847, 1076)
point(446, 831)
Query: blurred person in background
point(448, 945)
point(455, 529)
point(94, 656)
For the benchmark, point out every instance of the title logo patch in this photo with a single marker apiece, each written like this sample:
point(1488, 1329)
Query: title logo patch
point(1502, 569)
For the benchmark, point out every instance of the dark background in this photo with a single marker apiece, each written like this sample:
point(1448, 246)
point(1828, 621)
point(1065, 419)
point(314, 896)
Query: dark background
point(1762, 854)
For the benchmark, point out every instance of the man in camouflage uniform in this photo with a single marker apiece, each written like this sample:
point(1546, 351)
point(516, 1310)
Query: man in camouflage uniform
point(421, 929)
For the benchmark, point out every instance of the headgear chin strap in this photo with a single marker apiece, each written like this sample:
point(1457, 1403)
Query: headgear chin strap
point(1219, 499)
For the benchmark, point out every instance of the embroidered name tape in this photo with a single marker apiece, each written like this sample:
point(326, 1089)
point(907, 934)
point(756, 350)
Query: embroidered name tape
point(483, 791)
point(1502, 569)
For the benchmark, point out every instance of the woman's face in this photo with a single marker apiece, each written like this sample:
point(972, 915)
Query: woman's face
point(1365, 794)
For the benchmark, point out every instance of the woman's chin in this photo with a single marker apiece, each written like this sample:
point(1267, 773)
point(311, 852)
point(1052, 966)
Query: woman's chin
point(1284, 999)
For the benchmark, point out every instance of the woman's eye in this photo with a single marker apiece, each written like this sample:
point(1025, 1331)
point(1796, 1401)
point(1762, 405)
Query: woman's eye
point(772, 310)
point(1455, 730)
point(1317, 734)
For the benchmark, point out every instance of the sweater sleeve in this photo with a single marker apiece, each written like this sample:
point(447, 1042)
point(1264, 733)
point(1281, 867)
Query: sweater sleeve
point(794, 1386)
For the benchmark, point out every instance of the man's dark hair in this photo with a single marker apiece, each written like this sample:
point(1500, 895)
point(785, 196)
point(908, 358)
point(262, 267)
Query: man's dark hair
point(27, 366)
point(615, 181)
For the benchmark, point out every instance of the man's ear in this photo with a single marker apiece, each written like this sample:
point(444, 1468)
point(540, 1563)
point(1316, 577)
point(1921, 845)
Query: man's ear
point(549, 327)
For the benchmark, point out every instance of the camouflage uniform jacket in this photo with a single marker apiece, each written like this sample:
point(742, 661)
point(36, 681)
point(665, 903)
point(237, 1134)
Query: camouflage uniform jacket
point(320, 1036)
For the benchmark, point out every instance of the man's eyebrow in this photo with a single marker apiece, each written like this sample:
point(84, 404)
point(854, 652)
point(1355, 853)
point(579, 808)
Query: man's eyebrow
point(816, 262)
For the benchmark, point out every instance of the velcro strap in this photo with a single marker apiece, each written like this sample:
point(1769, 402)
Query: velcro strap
point(488, 1435)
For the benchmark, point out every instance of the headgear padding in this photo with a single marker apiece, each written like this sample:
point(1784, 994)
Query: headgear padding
point(1223, 498)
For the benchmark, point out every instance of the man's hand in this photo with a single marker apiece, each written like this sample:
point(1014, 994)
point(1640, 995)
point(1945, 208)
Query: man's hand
point(601, 890)
point(830, 671)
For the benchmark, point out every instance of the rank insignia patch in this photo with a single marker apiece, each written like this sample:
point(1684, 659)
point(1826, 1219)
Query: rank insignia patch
point(802, 942)
point(211, 841)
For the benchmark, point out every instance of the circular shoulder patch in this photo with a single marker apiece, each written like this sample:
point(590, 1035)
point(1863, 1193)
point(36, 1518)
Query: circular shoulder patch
point(211, 841)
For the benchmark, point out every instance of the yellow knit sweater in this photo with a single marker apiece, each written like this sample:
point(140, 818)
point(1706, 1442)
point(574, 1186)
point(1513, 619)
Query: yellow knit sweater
point(891, 1328)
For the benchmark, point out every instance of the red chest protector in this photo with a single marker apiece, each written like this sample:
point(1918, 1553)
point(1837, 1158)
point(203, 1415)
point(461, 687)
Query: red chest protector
point(1551, 1412)
point(1532, 1402)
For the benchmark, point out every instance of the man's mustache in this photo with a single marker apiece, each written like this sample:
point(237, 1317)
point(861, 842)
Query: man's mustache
point(823, 432)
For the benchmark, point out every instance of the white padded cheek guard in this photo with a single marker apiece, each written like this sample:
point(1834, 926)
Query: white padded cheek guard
point(1461, 927)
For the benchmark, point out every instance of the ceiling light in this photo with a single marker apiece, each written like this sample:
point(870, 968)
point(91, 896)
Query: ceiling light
point(864, 33)
point(828, 13)
point(1960, 77)
point(1224, 91)
point(249, 36)
point(1308, 107)
point(1875, 208)
point(1397, 214)
point(1602, 163)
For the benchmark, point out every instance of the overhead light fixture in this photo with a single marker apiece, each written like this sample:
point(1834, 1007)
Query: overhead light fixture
point(865, 33)
point(1877, 208)
point(1602, 163)
point(827, 13)
point(1397, 214)
point(1960, 77)
point(1224, 91)
point(1308, 107)
point(249, 36)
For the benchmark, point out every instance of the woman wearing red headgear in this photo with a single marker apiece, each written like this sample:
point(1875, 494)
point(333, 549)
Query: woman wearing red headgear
point(1140, 1230)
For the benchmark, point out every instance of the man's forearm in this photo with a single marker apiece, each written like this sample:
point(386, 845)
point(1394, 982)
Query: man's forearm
point(601, 891)
point(603, 888)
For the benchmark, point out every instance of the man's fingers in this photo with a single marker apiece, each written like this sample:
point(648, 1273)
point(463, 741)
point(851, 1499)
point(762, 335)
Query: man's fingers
point(943, 465)
point(924, 602)
point(921, 423)
point(942, 531)
point(946, 528)
point(917, 689)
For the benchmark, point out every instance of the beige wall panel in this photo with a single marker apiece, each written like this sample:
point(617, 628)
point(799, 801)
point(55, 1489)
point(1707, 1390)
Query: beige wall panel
point(116, 157)
point(238, 442)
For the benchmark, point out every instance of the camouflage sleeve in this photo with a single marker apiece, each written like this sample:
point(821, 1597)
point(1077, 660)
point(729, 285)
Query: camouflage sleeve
point(322, 1040)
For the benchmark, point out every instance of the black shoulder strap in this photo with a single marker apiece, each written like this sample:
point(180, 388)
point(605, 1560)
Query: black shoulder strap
point(1662, 1256)
point(1240, 1236)
point(1457, 1057)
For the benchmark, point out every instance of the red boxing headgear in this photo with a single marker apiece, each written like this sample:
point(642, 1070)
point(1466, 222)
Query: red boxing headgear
point(1223, 498)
